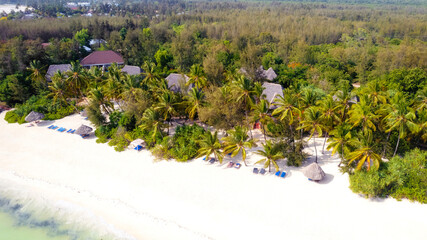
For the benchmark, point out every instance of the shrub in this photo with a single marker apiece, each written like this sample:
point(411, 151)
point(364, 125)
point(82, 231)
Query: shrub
point(11, 117)
point(185, 142)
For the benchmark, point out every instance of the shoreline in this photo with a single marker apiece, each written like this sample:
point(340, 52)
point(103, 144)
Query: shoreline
point(130, 194)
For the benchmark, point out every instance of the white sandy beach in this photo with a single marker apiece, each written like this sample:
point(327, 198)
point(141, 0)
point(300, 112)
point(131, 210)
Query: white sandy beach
point(137, 198)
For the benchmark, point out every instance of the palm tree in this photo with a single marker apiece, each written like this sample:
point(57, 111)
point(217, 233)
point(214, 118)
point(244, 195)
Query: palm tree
point(375, 92)
point(313, 123)
point(197, 77)
point(97, 95)
point(341, 140)
point(401, 118)
point(166, 106)
point(238, 141)
point(421, 99)
point(210, 144)
point(287, 108)
point(193, 101)
point(58, 88)
point(152, 122)
point(365, 153)
point(244, 90)
point(361, 115)
point(270, 154)
point(96, 76)
point(37, 74)
point(260, 113)
point(151, 76)
point(328, 108)
point(344, 98)
point(77, 79)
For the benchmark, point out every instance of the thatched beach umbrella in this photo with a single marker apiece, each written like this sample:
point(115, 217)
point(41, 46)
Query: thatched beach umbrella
point(34, 116)
point(137, 142)
point(314, 172)
point(83, 129)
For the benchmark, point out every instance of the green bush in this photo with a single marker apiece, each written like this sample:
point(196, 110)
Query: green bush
point(400, 178)
point(12, 117)
point(185, 142)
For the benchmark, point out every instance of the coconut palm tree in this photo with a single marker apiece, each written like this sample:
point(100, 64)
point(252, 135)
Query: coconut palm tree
point(401, 118)
point(260, 113)
point(365, 153)
point(37, 74)
point(421, 99)
point(375, 91)
point(58, 88)
point(313, 123)
point(166, 106)
point(328, 108)
point(238, 141)
point(197, 77)
point(361, 115)
point(270, 154)
point(344, 98)
point(287, 108)
point(341, 140)
point(209, 144)
point(151, 121)
point(151, 76)
point(98, 96)
point(77, 79)
point(194, 101)
point(244, 91)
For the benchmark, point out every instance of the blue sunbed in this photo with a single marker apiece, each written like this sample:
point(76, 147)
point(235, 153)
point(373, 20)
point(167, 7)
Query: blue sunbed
point(73, 131)
point(277, 173)
point(60, 130)
point(54, 127)
point(69, 130)
point(138, 148)
point(262, 171)
point(63, 130)
point(283, 174)
point(255, 170)
point(238, 165)
point(51, 126)
point(212, 160)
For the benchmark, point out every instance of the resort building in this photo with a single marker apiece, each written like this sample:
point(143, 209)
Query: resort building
point(131, 70)
point(268, 74)
point(102, 59)
point(176, 81)
point(53, 69)
point(271, 91)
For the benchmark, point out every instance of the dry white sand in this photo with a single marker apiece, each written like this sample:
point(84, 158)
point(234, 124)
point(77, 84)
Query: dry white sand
point(139, 198)
point(9, 7)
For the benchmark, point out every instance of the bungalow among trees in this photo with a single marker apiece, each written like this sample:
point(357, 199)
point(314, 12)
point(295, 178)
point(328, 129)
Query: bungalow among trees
point(131, 70)
point(53, 69)
point(176, 81)
point(102, 59)
point(271, 90)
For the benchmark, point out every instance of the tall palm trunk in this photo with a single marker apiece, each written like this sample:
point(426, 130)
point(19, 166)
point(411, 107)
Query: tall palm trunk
point(315, 148)
point(342, 154)
point(397, 145)
point(385, 144)
point(263, 129)
point(324, 142)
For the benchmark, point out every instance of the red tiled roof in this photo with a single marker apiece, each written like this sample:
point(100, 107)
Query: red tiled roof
point(102, 58)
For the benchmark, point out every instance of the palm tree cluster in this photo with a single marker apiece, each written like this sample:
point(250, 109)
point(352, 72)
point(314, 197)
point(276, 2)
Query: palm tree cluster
point(360, 124)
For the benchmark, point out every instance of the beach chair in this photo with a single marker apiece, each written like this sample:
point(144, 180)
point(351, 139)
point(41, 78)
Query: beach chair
point(84, 135)
point(138, 148)
point(262, 171)
point(73, 131)
point(283, 174)
point(63, 130)
point(54, 127)
point(51, 126)
point(69, 130)
point(255, 170)
point(277, 173)
point(237, 166)
point(212, 160)
point(230, 164)
point(60, 129)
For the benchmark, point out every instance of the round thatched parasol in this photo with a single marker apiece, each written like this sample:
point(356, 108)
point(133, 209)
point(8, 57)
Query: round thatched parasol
point(137, 142)
point(314, 172)
point(34, 116)
point(83, 129)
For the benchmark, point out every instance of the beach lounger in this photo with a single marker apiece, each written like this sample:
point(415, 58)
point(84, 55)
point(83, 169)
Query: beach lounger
point(255, 170)
point(238, 165)
point(138, 148)
point(212, 160)
point(54, 127)
point(283, 174)
point(84, 135)
point(59, 129)
point(230, 164)
point(262, 171)
point(63, 130)
point(73, 131)
point(51, 126)
point(277, 173)
point(69, 130)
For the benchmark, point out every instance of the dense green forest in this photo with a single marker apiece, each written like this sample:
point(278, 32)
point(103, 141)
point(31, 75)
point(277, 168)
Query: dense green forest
point(353, 73)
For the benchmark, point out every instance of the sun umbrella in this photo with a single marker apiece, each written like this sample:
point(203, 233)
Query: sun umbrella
point(83, 129)
point(34, 116)
point(314, 172)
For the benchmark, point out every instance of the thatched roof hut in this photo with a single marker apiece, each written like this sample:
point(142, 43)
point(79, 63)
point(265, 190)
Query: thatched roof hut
point(53, 69)
point(271, 91)
point(34, 116)
point(175, 81)
point(131, 70)
point(83, 129)
point(314, 172)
